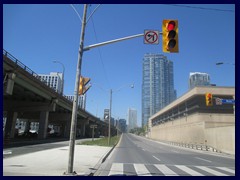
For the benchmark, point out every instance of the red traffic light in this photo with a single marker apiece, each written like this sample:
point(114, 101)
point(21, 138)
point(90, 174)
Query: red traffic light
point(170, 35)
point(171, 25)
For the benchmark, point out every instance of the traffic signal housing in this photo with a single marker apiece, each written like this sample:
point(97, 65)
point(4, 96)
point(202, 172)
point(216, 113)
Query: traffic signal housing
point(170, 36)
point(209, 100)
point(82, 85)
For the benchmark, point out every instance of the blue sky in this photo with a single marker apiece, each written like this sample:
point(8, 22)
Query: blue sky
point(40, 34)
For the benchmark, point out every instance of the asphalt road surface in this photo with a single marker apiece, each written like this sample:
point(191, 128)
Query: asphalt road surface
point(138, 156)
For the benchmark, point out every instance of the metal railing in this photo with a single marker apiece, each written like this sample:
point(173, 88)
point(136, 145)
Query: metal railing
point(196, 146)
point(32, 73)
point(20, 64)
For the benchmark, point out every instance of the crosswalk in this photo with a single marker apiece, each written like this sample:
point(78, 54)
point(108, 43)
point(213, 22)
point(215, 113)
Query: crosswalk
point(122, 169)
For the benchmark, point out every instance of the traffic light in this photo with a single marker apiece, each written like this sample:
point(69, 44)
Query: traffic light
point(170, 36)
point(209, 101)
point(82, 85)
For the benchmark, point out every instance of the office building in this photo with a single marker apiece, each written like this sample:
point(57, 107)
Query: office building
point(81, 100)
point(122, 125)
point(54, 80)
point(198, 79)
point(157, 84)
point(132, 118)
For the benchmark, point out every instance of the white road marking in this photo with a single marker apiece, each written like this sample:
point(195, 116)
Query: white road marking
point(116, 169)
point(7, 152)
point(227, 169)
point(141, 170)
point(203, 159)
point(188, 170)
point(165, 170)
point(156, 158)
point(211, 171)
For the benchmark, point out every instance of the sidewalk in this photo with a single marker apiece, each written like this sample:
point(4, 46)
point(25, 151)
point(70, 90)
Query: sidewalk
point(54, 162)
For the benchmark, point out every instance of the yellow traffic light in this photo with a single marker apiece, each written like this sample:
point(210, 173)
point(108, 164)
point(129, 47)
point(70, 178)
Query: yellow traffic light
point(170, 36)
point(209, 101)
point(82, 85)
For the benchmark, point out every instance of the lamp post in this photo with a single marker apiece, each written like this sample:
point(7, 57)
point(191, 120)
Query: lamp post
point(75, 104)
point(110, 111)
point(62, 75)
point(221, 63)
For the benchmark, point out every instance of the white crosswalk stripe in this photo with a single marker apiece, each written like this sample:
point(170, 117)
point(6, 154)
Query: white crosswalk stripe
point(189, 171)
point(165, 170)
point(141, 170)
point(168, 170)
point(216, 173)
point(227, 169)
point(116, 169)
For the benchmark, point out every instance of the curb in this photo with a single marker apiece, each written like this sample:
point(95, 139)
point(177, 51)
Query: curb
point(102, 160)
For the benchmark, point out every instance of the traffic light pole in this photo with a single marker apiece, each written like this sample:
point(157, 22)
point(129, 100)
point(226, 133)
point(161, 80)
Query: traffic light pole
point(75, 101)
point(78, 74)
point(109, 123)
point(113, 41)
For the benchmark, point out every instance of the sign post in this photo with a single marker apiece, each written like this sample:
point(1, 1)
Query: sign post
point(93, 127)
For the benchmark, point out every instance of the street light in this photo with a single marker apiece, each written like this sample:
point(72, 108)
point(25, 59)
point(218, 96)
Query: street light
point(110, 110)
point(220, 63)
point(62, 74)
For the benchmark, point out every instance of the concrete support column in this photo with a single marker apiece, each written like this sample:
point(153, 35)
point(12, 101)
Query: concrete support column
point(27, 126)
point(83, 129)
point(67, 128)
point(10, 124)
point(43, 124)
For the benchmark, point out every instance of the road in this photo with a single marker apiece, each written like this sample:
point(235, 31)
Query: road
point(136, 155)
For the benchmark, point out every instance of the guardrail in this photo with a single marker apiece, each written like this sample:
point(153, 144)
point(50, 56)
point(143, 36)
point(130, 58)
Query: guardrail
point(21, 65)
point(31, 73)
point(194, 146)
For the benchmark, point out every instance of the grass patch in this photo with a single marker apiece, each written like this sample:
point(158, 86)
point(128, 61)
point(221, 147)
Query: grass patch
point(102, 142)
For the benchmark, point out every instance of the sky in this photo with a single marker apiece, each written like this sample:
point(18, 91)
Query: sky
point(38, 34)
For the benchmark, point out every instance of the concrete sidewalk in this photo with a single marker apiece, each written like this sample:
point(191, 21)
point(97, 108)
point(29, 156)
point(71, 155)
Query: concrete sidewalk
point(54, 162)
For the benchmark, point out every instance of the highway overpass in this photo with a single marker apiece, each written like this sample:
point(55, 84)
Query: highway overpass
point(26, 97)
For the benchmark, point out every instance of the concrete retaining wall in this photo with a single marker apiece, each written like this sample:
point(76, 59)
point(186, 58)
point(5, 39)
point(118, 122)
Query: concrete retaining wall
point(216, 130)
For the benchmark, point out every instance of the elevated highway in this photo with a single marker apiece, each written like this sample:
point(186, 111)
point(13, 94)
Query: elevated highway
point(25, 96)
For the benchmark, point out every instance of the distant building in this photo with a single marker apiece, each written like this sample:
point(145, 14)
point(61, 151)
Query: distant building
point(54, 80)
point(157, 84)
point(198, 79)
point(81, 100)
point(132, 119)
point(122, 125)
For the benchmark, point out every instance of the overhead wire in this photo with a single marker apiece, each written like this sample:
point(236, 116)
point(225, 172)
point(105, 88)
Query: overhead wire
point(99, 51)
point(197, 7)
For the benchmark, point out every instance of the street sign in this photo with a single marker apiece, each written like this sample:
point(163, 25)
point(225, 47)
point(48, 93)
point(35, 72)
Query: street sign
point(151, 37)
point(218, 101)
point(228, 101)
point(93, 126)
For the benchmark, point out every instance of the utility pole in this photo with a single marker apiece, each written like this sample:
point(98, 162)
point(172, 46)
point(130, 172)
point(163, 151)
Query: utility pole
point(109, 124)
point(75, 101)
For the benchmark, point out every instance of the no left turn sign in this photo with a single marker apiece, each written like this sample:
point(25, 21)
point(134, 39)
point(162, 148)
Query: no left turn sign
point(151, 37)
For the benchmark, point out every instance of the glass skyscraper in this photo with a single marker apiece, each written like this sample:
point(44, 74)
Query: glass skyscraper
point(132, 118)
point(157, 84)
point(198, 79)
